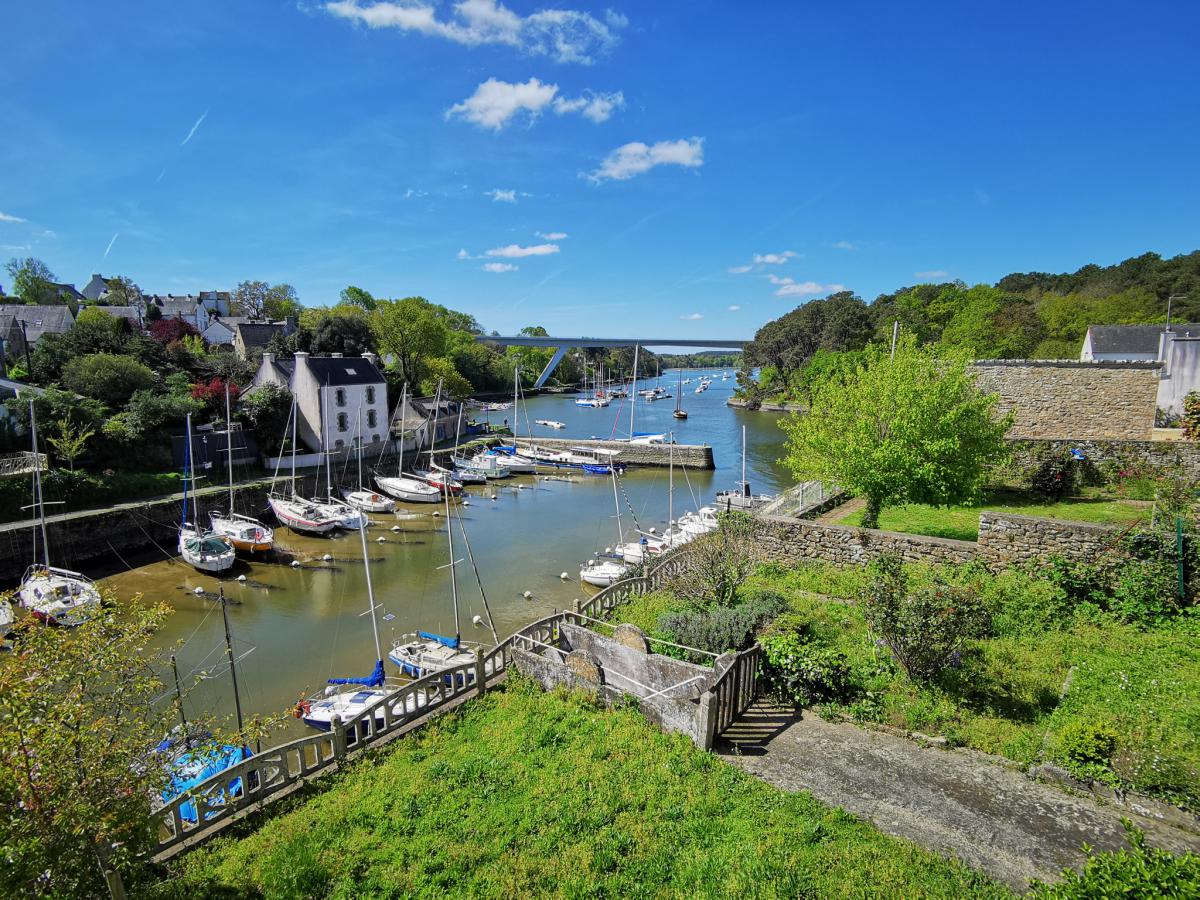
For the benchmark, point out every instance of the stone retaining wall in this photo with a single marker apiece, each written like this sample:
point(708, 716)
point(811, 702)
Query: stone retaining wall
point(1004, 540)
point(1184, 454)
point(691, 455)
point(1055, 398)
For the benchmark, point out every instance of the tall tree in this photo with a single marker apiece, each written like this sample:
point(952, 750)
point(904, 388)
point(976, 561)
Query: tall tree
point(32, 280)
point(356, 296)
point(122, 291)
point(913, 429)
point(410, 331)
point(280, 301)
point(350, 335)
point(250, 298)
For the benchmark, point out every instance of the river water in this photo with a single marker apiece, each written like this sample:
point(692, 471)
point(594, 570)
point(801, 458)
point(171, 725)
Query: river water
point(293, 628)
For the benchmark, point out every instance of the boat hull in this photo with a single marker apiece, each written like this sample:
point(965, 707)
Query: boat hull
point(409, 490)
point(295, 517)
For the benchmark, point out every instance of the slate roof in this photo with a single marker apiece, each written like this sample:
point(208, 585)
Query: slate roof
point(1133, 338)
point(256, 334)
point(68, 292)
point(40, 320)
point(344, 370)
point(132, 313)
point(95, 288)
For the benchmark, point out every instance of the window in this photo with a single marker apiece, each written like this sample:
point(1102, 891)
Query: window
point(371, 395)
point(343, 422)
point(372, 416)
point(340, 396)
point(339, 443)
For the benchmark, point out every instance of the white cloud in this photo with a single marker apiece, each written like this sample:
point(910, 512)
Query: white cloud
point(789, 287)
point(499, 196)
point(843, 245)
point(414, 193)
point(495, 102)
point(597, 107)
point(933, 273)
point(553, 235)
point(734, 308)
point(499, 267)
point(463, 254)
point(563, 35)
point(692, 317)
point(110, 244)
point(516, 251)
point(195, 128)
point(773, 259)
point(635, 158)
point(740, 270)
point(15, 248)
point(5, 217)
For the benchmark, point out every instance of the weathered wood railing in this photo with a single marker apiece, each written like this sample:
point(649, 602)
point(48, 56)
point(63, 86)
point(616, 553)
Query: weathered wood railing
point(732, 692)
point(215, 804)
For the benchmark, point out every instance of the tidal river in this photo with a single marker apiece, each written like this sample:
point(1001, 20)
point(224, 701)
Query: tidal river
point(294, 628)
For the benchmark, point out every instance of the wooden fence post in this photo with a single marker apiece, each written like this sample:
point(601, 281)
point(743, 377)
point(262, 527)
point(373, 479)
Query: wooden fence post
point(705, 721)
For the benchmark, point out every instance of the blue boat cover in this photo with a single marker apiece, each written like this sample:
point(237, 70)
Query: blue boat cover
point(375, 679)
point(191, 768)
point(451, 642)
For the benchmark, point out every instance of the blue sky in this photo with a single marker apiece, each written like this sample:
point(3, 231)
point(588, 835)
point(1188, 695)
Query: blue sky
point(597, 169)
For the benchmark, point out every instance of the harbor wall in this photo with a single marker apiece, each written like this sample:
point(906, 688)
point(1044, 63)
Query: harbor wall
point(693, 456)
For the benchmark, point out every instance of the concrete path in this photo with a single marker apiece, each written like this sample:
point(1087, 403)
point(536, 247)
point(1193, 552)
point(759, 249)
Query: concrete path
point(853, 505)
point(956, 802)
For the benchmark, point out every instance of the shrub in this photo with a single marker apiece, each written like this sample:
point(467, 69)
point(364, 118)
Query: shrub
point(107, 377)
point(926, 628)
point(801, 671)
point(166, 331)
point(1052, 473)
point(717, 564)
point(1081, 744)
point(722, 628)
point(1140, 871)
point(1191, 416)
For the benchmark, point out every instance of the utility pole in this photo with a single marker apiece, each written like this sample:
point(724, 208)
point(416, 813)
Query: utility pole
point(29, 365)
point(237, 698)
point(1170, 303)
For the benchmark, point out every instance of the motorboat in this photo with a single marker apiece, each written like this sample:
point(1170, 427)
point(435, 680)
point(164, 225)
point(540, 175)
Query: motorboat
point(368, 501)
point(58, 596)
point(467, 472)
point(641, 551)
point(410, 490)
point(202, 548)
point(603, 571)
point(507, 458)
point(703, 521)
point(551, 423)
point(441, 480)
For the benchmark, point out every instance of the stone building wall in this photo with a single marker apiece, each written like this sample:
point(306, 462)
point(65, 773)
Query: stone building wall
point(1074, 400)
point(1165, 454)
point(1004, 540)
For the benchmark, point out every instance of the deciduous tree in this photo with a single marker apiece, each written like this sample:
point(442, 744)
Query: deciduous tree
point(32, 280)
point(410, 331)
point(914, 429)
point(109, 378)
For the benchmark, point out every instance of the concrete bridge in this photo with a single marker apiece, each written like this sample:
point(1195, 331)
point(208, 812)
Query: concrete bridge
point(562, 345)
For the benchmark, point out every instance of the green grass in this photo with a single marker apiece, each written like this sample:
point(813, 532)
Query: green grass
point(533, 794)
point(1007, 698)
point(962, 522)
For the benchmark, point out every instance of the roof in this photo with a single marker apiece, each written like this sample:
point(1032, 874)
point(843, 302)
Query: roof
point(68, 291)
point(96, 288)
point(257, 334)
point(132, 313)
point(39, 320)
point(344, 370)
point(1133, 338)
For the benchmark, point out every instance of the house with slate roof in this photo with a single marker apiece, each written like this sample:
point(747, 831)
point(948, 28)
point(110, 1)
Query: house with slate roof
point(1177, 347)
point(34, 321)
point(339, 399)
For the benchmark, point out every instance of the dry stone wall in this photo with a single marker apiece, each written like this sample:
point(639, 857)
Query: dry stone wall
point(1004, 540)
point(1077, 400)
point(1166, 454)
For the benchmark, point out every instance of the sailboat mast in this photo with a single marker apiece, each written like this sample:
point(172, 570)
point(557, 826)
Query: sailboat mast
point(633, 392)
point(325, 445)
point(743, 455)
point(39, 500)
point(229, 443)
point(187, 468)
point(403, 420)
point(178, 694)
point(671, 481)
point(237, 697)
point(453, 579)
point(437, 409)
point(616, 501)
point(295, 415)
point(362, 533)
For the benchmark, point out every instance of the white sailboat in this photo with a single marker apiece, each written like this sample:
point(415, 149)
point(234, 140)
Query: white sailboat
point(201, 548)
point(604, 569)
point(55, 596)
point(346, 516)
point(400, 486)
point(360, 498)
point(740, 497)
point(293, 511)
point(425, 653)
point(246, 534)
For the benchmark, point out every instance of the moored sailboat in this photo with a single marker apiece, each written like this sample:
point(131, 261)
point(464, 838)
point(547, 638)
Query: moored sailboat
point(243, 532)
point(292, 510)
point(202, 548)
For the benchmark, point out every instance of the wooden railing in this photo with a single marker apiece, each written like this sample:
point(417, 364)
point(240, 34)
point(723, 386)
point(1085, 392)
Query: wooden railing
point(732, 692)
point(215, 803)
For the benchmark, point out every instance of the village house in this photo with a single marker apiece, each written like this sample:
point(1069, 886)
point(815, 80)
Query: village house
point(1177, 347)
point(134, 315)
point(250, 334)
point(339, 399)
point(196, 309)
point(34, 321)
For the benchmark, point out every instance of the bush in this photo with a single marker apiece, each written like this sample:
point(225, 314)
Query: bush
point(1083, 744)
point(1138, 872)
point(801, 671)
point(722, 628)
point(926, 628)
point(1052, 473)
point(107, 377)
point(716, 565)
point(1191, 416)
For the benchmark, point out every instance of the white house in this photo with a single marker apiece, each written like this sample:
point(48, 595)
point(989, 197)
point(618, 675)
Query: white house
point(1178, 349)
point(338, 399)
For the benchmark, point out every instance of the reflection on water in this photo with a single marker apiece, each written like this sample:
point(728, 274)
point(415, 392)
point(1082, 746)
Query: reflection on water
point(295, 627)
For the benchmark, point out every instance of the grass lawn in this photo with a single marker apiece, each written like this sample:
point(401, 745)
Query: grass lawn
point(962, 522)
point(531, 794)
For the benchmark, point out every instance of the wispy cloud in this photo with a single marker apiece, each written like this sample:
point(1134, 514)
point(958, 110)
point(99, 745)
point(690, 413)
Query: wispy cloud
point(563, 35)
point(15, 248)
point(734, 308)
point(843, 245)
point(195, 128)
point(496, 103)
point(774, 259)
point(739, 270)
point(789, 287)
point(692, 317)
point(161, 175)
point(5, 217)
point(110, 244)
point(932, 274)
point(516, 251)
point(415, 194)
point(553, 235)
point(636, 158)
point(498, 267)
point(501, 196)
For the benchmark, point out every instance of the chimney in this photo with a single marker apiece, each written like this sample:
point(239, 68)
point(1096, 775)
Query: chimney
point(371, 358)
point(301, 359)
point(268, 357)
point(290, 325)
